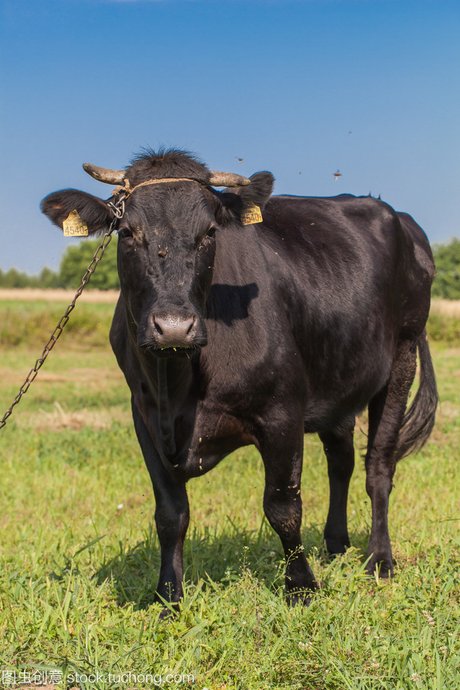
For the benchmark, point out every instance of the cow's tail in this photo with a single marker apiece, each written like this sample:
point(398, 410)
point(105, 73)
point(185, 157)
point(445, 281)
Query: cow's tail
point(418, 420)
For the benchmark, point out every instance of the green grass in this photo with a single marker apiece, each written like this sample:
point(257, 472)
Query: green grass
point(79, 554)
point(443, 328)
point(31, 322)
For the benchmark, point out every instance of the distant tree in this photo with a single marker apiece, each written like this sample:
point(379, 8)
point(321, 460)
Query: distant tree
point(14, 279)
point(76, 259)
point(17, 279)
point(74, 263)
point(48, 279)
point(447, 281)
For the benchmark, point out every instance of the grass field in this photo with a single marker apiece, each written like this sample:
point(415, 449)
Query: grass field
point(79, 554)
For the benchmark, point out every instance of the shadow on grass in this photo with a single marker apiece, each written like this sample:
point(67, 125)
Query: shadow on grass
point(220, 558)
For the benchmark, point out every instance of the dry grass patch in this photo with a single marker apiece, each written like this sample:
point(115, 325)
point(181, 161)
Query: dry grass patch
point(88, 377)
point(60, 419)
point(446, 307)
point(58, 295)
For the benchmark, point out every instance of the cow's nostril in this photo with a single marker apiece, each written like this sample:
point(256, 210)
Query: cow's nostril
point(157, 327)
point(192, 322)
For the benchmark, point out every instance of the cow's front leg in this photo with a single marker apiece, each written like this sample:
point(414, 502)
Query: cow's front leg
point(171, 515)
point(282, 453)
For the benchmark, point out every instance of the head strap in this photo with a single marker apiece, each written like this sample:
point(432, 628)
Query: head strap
point(128, 190)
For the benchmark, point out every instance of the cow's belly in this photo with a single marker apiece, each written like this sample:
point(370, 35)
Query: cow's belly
point(328, 406)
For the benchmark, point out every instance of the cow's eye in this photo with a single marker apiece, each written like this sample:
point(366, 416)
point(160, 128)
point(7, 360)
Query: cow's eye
point(124, 233)
point(211, 232)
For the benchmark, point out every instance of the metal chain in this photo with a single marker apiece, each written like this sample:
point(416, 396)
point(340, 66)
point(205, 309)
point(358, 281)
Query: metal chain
point(118, 210)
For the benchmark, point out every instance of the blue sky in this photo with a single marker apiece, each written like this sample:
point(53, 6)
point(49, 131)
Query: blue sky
point(301, 88)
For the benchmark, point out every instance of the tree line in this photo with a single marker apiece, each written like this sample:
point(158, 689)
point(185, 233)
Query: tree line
point(74, 263)
point(76, 258)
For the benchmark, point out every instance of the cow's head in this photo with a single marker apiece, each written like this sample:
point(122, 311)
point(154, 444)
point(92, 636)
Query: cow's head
point(167, 238)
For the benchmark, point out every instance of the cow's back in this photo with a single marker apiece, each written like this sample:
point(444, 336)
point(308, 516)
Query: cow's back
point(350, 257)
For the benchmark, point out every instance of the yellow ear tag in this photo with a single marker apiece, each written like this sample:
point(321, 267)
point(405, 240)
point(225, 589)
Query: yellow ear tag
point(74, 226)
point(251, 214)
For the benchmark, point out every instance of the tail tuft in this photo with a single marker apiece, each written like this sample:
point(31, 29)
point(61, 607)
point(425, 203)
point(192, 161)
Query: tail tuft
point(419, 419)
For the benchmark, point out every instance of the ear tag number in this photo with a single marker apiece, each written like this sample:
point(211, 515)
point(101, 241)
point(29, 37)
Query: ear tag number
point(74, 226)
point(251, 214)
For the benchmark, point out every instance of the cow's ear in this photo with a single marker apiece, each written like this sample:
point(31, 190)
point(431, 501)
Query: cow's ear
point(92, 210)
point(236, 202)
point(259, 191)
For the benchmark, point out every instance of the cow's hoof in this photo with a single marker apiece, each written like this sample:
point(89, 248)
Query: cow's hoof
point(301, 596)
point(337, 547)
point(169, 609)
point(169, 612)
point(382, 567)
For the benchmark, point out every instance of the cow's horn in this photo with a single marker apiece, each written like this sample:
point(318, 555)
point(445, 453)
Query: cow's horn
point(223, 179)
point(104, 174)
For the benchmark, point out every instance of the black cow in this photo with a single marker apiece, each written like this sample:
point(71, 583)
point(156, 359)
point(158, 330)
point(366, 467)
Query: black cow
point(231, 334)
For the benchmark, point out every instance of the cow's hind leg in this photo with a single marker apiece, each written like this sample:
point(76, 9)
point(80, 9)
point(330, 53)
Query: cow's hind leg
point(171, 516)
point(386, 412)
point(282, 455)
point(339, 449)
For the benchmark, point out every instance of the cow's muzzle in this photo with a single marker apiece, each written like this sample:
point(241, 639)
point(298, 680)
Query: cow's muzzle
point(174, 333)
